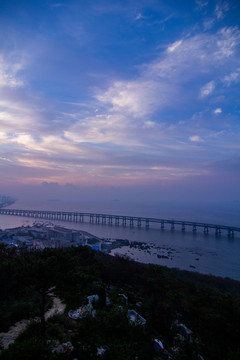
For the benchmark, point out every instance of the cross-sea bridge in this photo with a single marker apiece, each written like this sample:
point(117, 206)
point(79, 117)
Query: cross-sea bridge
point(116, 220)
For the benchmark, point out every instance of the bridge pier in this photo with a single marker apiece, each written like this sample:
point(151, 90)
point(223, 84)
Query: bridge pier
point(97, 219)
point(110, 220)
point(218, 231)
point(124, 221)
point(103, 219)
point(131, 222)
point(205, 229)
point(147, 223)
point(116, 220)
point(172, 226)
point(162, 224)
point(183, 227)
point(139, 222)
point(194, 228)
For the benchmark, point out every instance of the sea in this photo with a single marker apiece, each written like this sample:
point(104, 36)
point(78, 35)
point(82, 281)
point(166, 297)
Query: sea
point(206, 254)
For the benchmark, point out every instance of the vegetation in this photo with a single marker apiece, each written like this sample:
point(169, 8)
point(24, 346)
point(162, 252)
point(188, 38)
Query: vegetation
point(209, 306)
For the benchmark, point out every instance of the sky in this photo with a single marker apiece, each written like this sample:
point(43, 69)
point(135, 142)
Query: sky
point(140, 96)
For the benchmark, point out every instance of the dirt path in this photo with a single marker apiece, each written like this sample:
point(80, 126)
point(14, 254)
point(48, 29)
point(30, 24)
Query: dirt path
point(9, 337)
point(57, 308)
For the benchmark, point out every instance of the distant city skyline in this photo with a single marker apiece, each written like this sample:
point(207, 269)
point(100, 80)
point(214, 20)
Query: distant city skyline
point(120, 94)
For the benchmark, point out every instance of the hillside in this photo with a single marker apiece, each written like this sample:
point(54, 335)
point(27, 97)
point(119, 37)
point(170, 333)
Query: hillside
point(137, 311)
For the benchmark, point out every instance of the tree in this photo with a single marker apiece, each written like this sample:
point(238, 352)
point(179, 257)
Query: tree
point(40, 271)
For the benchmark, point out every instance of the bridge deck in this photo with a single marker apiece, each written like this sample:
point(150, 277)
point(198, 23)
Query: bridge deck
point(73, 216)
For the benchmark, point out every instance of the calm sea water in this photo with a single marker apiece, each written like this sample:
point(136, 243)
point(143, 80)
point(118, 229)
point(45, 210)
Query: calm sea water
point(195, 252)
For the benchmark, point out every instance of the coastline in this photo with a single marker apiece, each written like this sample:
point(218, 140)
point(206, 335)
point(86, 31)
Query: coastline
point(185, 253)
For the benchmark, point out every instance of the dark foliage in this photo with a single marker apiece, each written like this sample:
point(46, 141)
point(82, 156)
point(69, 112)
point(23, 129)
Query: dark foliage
point(209, 306)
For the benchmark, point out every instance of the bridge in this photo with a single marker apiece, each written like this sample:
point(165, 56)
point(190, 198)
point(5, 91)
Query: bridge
point(94, 218)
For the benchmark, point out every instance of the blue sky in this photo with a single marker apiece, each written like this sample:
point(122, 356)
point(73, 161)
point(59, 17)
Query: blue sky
point(121, 93)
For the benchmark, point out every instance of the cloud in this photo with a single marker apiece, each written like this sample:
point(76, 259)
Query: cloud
point(219, 13)
point(173, 47)
point(208, 23)
point(104, 129)
point(195, 138)
point(44, 146)
point(131, 137)
point(148, 124)
point(217, 111)
point(227, 39)
point(8, 74)
point(201, 3)
point(234, 77)
point(137, 97)
point(207, 89)
point(139, 17)
point(3, 136)
point(221, 9)
point(21, 110)
point(161, 83)
point(57, 5)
